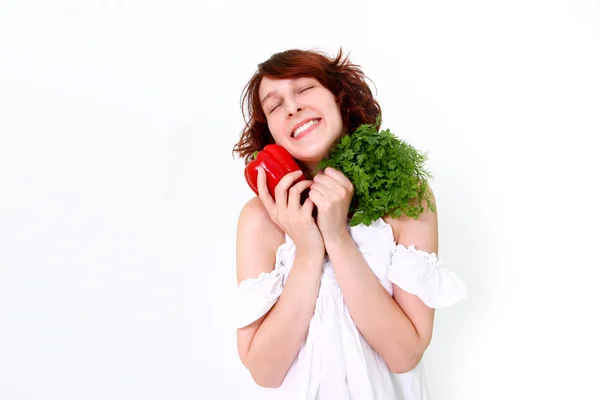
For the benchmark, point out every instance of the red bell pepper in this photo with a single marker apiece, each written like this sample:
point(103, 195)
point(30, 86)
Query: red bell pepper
point(276, 161)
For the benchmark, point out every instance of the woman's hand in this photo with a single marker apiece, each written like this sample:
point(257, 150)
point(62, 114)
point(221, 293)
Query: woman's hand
point(332, 193)
point(293, 218)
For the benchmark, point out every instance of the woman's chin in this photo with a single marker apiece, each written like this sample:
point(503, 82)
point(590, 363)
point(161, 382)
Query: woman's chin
point(312, 157)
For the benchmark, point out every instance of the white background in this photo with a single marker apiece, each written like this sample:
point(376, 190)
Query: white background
point(119, 195)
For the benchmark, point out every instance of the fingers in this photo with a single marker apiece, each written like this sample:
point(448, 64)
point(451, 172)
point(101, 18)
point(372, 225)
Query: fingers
point(281, 190)
point(333, 181)
point(335, 174)
point(263, 190)
point(326, 180)
point(320, 188)
point(315, 197)
point(307, 207)
point(330, 186)
point(338, 177)
point(296, 191)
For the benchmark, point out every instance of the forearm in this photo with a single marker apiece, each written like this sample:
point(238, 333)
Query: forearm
point(281, 334)
point(378, 317)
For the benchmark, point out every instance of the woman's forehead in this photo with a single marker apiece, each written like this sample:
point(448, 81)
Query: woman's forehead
point(268, 85)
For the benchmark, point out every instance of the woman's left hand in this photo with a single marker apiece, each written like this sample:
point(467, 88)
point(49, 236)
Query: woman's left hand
point(332, 193)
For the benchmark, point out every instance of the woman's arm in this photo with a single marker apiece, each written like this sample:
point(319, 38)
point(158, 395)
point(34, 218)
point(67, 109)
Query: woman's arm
point(399, 328)
point(268, 346)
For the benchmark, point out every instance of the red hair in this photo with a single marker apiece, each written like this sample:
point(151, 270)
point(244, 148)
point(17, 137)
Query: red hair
point(342, 78)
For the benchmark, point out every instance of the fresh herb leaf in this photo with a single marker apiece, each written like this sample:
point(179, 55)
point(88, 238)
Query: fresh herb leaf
point(388, 174)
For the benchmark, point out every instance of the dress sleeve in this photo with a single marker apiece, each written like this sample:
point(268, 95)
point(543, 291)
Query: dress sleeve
point(255, 297)
point(419, 273)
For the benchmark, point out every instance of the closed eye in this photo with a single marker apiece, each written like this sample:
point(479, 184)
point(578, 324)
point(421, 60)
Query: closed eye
point(301, 90)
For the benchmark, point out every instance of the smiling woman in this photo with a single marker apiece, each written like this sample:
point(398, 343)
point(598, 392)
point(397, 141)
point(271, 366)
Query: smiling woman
point(317, 121)
point(292, 78)
point(326, 310)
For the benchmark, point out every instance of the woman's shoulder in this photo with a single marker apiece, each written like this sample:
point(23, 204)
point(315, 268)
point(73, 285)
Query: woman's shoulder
point(255, 209)
point(255, 213)
point(422, 232)
point(255, 225)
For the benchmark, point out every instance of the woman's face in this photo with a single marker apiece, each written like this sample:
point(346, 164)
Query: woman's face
point(302, 116)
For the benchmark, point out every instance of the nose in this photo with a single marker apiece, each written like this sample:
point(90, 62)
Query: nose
point(291, 113)
point(293, 107)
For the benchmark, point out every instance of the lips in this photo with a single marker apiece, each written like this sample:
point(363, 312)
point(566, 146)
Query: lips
point(298, 125)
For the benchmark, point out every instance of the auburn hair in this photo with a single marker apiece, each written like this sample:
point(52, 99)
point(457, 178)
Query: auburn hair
point(344, 79)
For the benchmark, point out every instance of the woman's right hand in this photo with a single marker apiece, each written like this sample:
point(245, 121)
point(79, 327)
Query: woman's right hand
point(293, 218)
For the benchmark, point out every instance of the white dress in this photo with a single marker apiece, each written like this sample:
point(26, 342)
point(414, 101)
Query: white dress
point(336, 362)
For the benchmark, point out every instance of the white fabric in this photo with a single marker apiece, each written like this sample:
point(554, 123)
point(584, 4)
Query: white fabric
point(419, 273)
point(336, 362)
point(256, 296)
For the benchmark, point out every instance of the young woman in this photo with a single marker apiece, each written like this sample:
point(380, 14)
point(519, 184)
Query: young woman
point(325, 310)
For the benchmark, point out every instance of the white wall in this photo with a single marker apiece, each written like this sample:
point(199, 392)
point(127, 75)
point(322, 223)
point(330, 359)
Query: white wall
point(119, 195)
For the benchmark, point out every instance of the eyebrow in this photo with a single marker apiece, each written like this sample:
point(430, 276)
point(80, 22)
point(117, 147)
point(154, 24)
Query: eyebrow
point(273, 92)
point(270, 94)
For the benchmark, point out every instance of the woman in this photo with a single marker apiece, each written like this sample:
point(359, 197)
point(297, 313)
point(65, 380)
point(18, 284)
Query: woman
point(325, 310)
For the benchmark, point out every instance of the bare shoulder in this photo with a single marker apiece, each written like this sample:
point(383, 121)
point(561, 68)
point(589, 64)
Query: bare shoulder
point(421, 232)
point(258, 238)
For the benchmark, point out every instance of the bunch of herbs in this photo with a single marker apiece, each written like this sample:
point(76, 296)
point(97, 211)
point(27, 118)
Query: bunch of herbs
point(388, 174)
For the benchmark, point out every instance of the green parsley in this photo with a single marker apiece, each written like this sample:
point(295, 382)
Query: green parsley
point(388, 174)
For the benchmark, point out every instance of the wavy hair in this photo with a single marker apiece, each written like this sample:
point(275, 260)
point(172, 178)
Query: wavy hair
point(344, 79)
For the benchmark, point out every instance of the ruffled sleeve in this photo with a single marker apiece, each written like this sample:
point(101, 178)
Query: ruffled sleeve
point(255, 297)
point(419, 273)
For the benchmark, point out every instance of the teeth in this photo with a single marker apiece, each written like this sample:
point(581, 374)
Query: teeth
point(304, 127)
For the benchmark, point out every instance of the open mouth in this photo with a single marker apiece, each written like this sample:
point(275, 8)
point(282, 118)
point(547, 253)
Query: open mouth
point(305, 128)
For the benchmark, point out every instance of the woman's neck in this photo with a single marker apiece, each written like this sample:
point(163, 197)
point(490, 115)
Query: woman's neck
point(309, 168)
